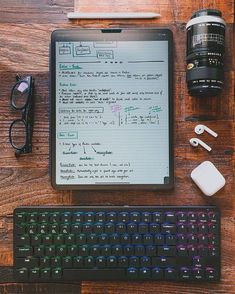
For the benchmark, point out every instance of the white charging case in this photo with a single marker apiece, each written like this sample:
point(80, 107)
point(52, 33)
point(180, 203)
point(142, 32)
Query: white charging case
point(207, 177)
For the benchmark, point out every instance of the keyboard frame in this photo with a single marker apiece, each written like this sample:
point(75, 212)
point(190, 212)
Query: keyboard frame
point(139, 208)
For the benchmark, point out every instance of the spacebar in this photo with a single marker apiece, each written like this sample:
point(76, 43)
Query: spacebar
point(93, 274)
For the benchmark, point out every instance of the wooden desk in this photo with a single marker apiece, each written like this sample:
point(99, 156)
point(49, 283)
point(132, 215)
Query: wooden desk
point(25, 28)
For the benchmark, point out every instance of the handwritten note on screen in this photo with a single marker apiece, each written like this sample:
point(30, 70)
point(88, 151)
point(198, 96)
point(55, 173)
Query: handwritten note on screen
point(112, 112)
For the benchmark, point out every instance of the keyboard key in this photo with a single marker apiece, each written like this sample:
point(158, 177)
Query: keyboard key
point(202, 216)
point(98, 228)
point(67, 262)
point(136, 239)
point(123, 261)
point(128, 250)
point(117, 250)
point(56, 273)
point(185, 273)
point(146, 217)
point(66, 217)
point(20, 217)
point(53, 229)
point(109, 228)
point(163, 262)
point(192, 216)
point(87, 228)
point(22, 273)
point(170, 239)
point(143, 228)
point(125, 239)
point(111, 261)
point(182, 228)
point(61, 250)
point(58, 239)
point(92, 239)
point(114, 239)
point(132, 273)
point(182, 250)
point(100, 217)
point(135, 217)
point(120, 228)
point(144, 273)
point(89, 217)
point(27, 262)
point(171, 273)
point(43, 217)
point(50, 250)
point(44, 262)
point(170, 217)
point(76, 228)
point(151, 250)
point(213, 228)
point(157, 273)
point(78, 262)
point(81, 239)
point(168, 228)
point(211, 274)
point(47, 239)
point(72, 250)
point(95, 250)
point(123, 217)
point(157, 217)
point(166, 251)
point(154, 228)
point(83, 250)
point(103, 239)
point(45, 273)
point(54, 217)
point(77, 217)
point(23, 240)
point(198, 274)
point(182, 217)
point(139, 250)
point(148, 239)
point(145, 261)
point(101, 262)
point(34, 273)
point(131, 228)
point(89, 262)
point(203, 228)
point(159, 239)
point(32, 217)
point(23, 251)
point(134, 261)
point(106, 250)
point(112, 217)
point(56, 261)
point(213, 251)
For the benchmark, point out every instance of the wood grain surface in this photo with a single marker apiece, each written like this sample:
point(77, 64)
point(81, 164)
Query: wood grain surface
point(25, 28)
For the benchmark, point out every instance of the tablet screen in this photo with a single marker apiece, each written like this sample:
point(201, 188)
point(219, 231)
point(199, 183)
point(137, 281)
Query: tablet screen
point(112, 113)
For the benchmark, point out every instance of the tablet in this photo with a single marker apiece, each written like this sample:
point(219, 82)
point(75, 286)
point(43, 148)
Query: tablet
point(111, 109)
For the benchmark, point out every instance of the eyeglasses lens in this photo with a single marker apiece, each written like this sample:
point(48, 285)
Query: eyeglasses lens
point(20, 94)
point(18, 134)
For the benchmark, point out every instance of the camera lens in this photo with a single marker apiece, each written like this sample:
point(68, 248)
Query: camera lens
point(205, 53)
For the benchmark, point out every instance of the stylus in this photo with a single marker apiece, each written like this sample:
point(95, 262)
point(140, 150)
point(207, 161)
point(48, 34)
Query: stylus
point(90, 15)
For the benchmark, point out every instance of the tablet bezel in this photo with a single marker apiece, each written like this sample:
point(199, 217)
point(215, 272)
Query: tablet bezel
point(136, 34)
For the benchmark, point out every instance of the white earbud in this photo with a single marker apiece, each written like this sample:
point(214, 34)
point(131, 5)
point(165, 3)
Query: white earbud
point(195, 142)
point(199, 129)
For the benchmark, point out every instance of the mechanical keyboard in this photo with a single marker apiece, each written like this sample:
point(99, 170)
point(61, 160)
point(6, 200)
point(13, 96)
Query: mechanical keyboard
point(62, 243)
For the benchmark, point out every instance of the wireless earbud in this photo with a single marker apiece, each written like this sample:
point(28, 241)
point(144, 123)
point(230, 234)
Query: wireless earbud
point(199, 129)
point(195, 142)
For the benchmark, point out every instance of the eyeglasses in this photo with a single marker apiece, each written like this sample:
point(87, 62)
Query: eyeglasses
point(21, 130)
